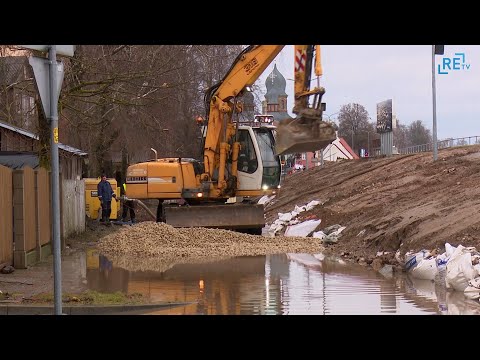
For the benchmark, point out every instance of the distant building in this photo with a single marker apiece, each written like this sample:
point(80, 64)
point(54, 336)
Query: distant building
point(338, 149)
point(17, 93)
point(275, 102)
point(19, 147)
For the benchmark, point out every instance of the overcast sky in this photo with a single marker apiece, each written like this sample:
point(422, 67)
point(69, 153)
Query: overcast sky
point(368, 74)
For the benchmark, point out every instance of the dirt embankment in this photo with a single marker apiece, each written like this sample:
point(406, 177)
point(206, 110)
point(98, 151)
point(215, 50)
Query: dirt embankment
point(402, 202)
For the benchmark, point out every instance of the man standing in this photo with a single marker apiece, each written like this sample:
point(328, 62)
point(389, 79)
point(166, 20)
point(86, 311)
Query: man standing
point(127, 205)
point(105, 194)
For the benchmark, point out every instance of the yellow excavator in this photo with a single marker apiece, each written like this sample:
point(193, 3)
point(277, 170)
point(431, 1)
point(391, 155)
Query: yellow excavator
point(240, 158)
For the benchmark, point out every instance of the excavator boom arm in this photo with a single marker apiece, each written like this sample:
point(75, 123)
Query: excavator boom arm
point(246, 69)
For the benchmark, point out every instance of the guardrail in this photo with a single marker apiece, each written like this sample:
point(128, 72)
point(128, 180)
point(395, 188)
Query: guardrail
point(442, 144)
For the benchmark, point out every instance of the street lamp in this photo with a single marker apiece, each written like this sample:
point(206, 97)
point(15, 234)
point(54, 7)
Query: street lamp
point(330, 115)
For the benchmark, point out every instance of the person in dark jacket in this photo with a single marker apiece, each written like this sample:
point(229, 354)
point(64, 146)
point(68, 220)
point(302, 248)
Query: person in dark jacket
point(105, 194)
point(128, 205)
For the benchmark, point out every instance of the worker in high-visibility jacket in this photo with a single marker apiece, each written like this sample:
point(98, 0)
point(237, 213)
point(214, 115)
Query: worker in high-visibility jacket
point(128, 206)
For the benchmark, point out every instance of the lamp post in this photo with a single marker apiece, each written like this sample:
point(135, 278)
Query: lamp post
point(329, 116)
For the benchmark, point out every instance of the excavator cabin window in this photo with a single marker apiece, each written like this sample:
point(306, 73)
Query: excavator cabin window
point(247, 158)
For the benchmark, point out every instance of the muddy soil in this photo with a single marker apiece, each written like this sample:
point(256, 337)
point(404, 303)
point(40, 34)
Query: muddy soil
point(402, 202)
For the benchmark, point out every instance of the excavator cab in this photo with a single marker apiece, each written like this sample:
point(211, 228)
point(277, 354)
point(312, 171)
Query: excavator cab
point(307, 132)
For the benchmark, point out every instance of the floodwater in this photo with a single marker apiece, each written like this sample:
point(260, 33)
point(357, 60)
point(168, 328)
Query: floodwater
point(279, 284)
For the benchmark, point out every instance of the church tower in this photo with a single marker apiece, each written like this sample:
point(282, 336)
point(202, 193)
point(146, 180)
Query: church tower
point(275, 102)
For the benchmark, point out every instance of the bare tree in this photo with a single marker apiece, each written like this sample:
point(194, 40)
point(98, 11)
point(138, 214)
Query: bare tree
point(354, 125)
point(418, 134)
point(401, 136)
point(118, 101)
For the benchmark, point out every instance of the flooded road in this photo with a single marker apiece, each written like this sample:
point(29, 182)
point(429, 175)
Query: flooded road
point(279, 284)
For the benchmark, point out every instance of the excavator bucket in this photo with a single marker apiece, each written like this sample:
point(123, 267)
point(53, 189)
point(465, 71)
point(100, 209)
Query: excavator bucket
point(303, 134)
point(225, 216)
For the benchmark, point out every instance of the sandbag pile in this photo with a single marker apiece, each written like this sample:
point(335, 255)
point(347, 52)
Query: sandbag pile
point(458, 268)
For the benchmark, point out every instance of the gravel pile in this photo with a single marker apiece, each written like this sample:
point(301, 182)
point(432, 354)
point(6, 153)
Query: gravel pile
point(154, 246)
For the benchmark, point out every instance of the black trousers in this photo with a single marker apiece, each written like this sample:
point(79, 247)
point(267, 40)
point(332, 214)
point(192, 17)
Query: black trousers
point(128, 205)
point(106, 210)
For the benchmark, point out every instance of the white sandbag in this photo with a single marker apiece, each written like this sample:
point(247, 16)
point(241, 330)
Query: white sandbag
point(460, 269)
point(472, 291)
point(265, 199)
point(311, 205)
point(426, 269)
point(332, 228)
point(413, 259)
point(338, 231)
point(294, 214)
point(449, 249)
point(299, 209)
point(441, 262)
point(302, 229)
point(285, 216)
point(319, 235)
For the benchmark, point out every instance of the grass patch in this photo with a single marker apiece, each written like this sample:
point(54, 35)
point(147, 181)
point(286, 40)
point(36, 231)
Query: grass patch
point(89, 297)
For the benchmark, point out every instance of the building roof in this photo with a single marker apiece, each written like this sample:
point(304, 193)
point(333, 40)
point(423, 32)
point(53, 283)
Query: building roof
point(33, 136)
point(18, 160)
point(348, 148)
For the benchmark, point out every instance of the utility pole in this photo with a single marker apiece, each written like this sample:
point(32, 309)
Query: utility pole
point(352, 140)
point(48, 80)
point(434, 100)
point(436, 50)
point(57, 259)
point(368, 143)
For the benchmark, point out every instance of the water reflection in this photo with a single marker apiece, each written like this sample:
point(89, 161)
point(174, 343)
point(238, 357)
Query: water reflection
point(279, 284)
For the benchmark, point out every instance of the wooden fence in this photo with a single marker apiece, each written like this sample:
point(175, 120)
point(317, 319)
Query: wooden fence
point(26, 216)
point(6, 216)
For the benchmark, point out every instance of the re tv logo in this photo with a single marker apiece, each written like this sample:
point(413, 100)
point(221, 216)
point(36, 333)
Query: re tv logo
point(456, 62)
